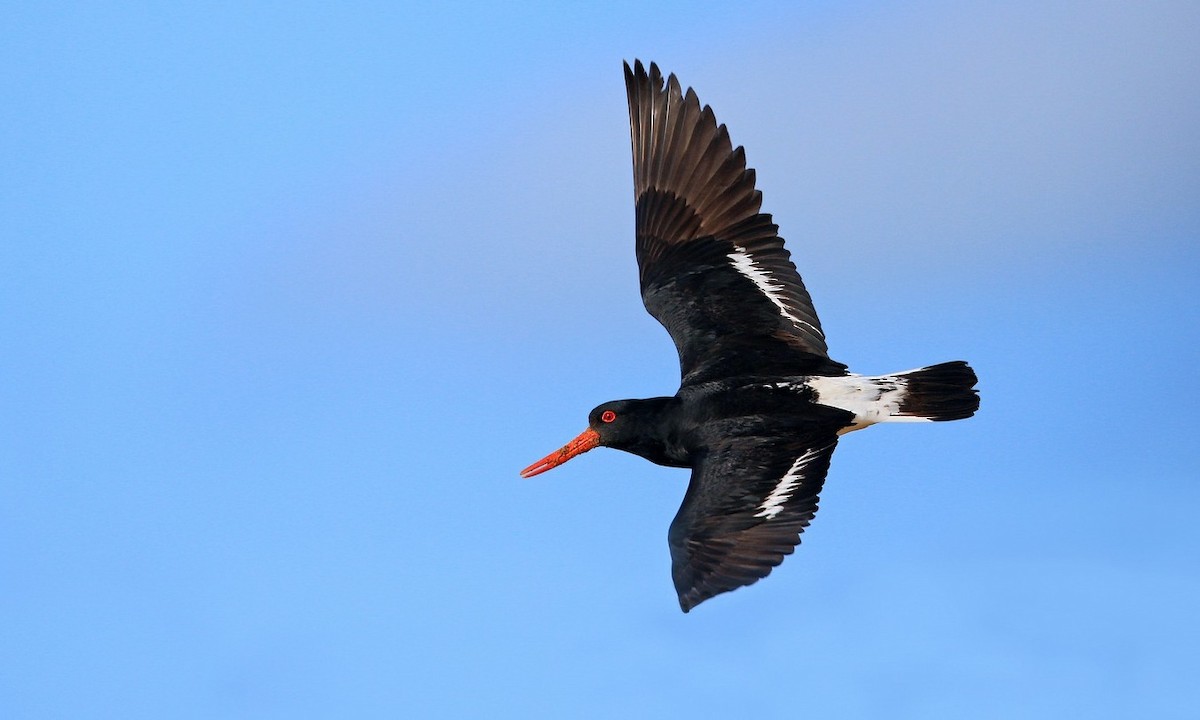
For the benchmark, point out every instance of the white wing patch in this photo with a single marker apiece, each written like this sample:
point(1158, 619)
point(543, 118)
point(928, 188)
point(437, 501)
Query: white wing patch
point(773, 504)
point(744, 263)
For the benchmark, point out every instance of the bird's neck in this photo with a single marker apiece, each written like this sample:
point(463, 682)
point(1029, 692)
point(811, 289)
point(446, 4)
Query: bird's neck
point(657, 437)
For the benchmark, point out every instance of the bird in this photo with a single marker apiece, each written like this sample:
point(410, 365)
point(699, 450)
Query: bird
point(761, 405)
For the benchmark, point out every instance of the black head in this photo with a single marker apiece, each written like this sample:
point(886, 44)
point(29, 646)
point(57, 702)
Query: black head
point(615, 421)
point(631, 425)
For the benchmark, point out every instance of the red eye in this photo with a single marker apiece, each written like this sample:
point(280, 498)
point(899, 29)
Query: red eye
point(608, 416)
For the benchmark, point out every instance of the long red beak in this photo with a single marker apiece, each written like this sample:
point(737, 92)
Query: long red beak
point(587, 440)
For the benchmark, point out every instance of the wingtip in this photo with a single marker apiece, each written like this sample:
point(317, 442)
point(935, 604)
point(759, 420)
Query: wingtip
point(656, 78)
point(652, 75)
point(673, 88)
point(636, 75)
point(689, 597)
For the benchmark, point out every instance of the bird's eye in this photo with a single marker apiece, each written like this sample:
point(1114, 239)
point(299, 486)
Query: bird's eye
point(608, 416)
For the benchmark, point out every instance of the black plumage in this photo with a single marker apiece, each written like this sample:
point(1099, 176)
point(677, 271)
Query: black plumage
point(761, 405)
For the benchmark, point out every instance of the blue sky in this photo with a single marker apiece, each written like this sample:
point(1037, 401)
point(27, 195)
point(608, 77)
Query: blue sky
point(291, 292)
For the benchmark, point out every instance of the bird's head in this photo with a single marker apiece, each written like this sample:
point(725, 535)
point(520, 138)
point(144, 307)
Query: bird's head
point(618, 424)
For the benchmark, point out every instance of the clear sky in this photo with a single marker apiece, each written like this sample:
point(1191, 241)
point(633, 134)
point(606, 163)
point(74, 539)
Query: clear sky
point(289, 293)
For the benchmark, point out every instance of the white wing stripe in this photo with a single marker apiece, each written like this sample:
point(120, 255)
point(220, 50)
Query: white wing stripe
point(745, 264)
point(773, 504)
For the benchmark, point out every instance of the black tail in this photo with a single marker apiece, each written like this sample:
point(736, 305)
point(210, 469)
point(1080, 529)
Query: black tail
point(940, 392)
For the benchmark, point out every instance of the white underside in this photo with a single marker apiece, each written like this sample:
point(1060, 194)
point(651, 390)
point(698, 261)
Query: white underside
point(871, 399)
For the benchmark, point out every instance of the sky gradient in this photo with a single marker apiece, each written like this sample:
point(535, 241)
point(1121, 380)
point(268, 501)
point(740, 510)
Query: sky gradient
point(289, 294)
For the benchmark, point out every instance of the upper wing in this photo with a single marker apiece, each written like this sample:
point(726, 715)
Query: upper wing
point(713, 269)
point(748, 501)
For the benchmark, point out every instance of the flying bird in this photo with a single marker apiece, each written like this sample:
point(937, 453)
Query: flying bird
point(760, 405)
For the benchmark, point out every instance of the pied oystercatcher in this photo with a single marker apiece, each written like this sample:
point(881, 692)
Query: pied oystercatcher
point(761, 404)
